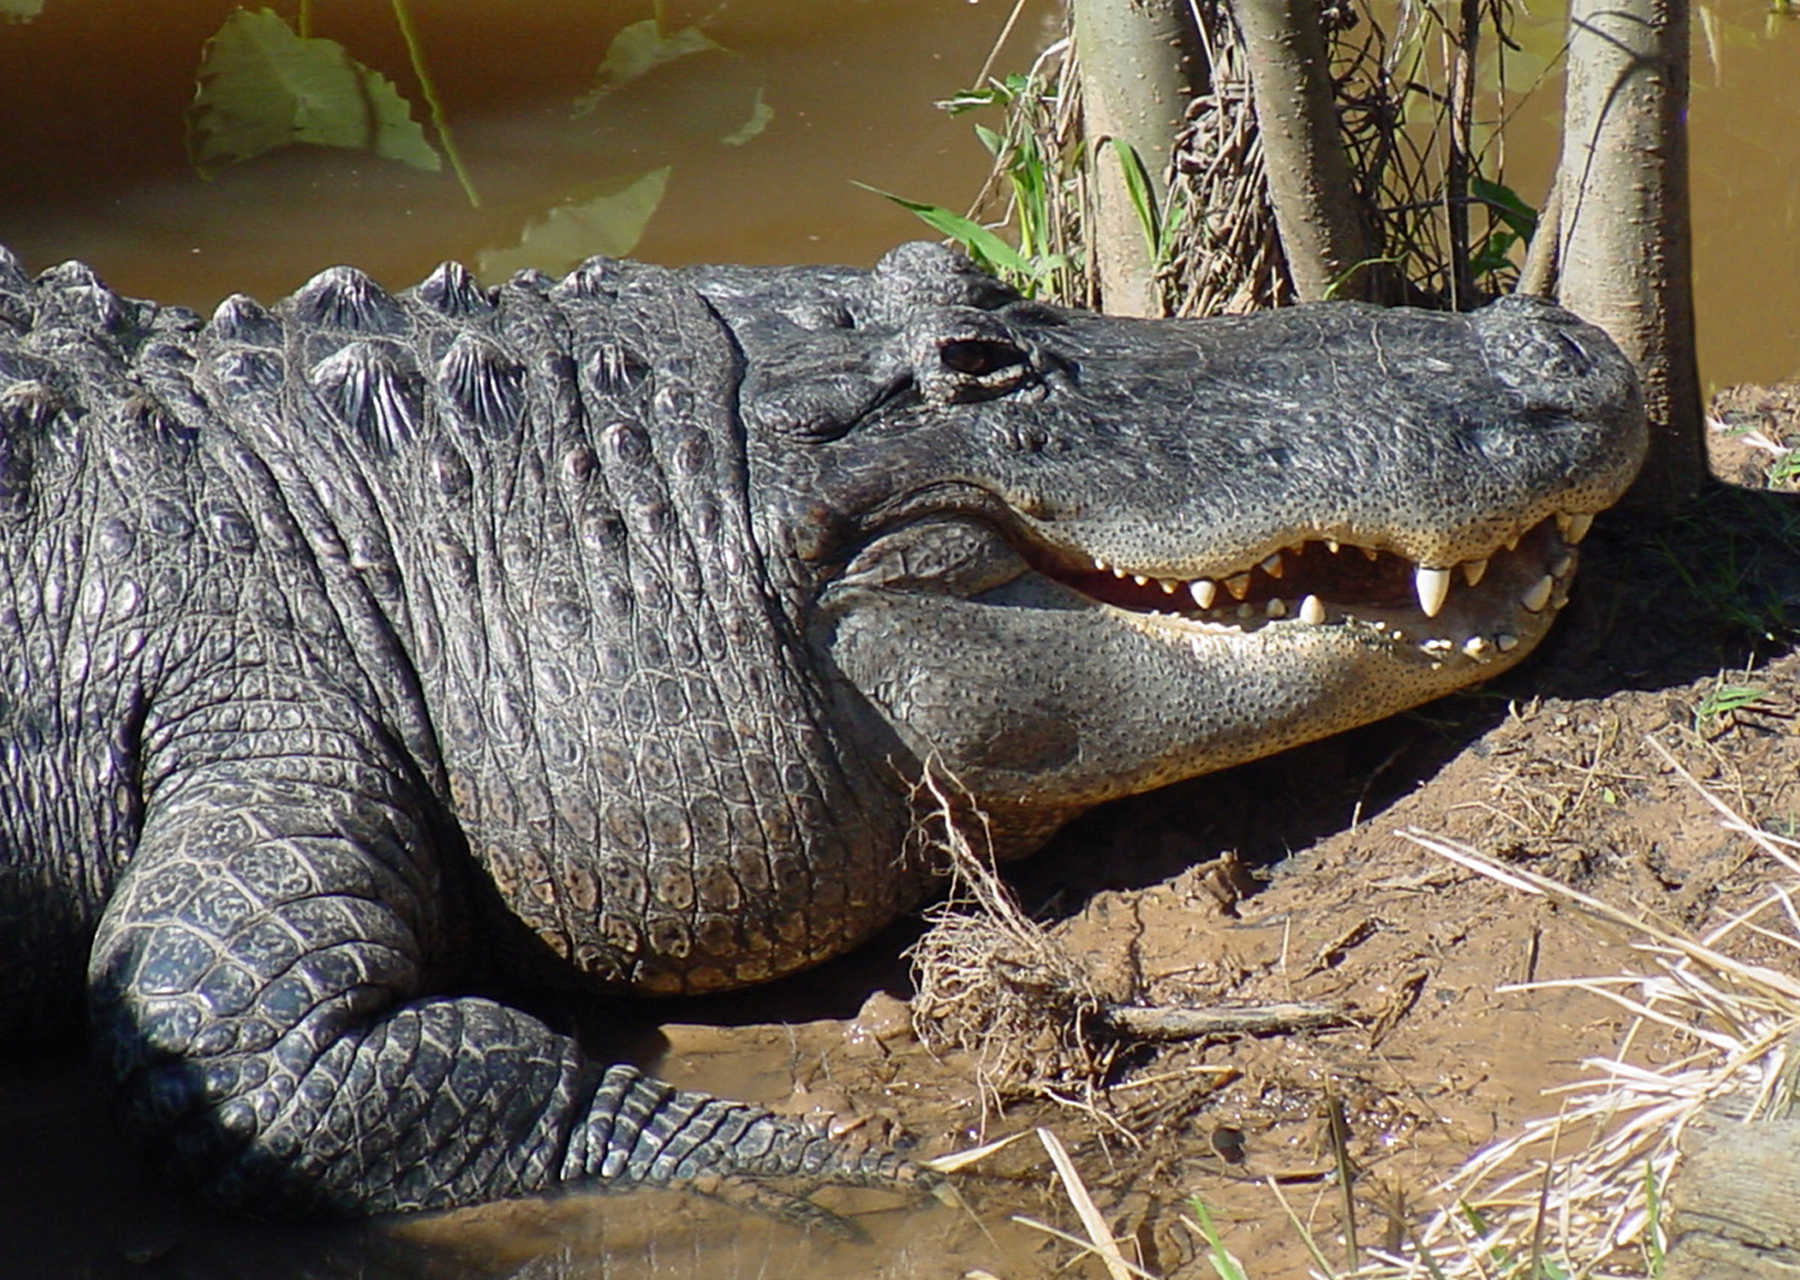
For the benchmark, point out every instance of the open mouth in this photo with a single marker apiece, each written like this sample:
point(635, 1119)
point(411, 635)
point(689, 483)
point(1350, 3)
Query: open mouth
point(1481, 608)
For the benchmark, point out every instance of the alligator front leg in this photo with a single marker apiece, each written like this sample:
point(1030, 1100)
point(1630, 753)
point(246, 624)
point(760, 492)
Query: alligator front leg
point(261, 987)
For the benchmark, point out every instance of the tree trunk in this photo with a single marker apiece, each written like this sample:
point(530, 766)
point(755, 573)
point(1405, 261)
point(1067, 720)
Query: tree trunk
point(1317, 209)
point(1141, 64)
point(1624, 250)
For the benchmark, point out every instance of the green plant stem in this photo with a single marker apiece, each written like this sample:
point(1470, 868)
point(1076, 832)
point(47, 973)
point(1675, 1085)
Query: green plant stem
point(303, 26)
point(440, 124)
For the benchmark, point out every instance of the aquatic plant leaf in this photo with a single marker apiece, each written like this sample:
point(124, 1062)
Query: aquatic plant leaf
point(262, 87)
point(639, 49)
point(608, 218)
point(760, 115)
point(20, 10)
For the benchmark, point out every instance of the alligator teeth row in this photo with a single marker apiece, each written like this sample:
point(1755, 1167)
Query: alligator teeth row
point(1478, 647)
point(1431, 584)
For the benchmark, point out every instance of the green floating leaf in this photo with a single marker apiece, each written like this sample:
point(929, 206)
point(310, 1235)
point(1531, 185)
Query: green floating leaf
point(760, 115)
point(20, 10)
point(607, 218)
point(262, 87)
point(640, 49)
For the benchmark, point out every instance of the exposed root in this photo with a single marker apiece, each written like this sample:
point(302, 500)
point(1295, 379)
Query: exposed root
point(994, 983)
point(997, 985)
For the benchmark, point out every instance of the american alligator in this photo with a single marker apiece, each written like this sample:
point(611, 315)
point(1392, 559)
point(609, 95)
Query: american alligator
point(369, 655)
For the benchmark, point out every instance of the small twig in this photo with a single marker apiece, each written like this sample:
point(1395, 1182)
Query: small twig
point(1177, 1022)
point(1337, 1130)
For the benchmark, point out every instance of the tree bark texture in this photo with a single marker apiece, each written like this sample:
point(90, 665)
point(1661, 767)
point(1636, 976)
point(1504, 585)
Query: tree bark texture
point(1317, 210)
point(1141, 64)
point(1624, 248)
point(1734, 1206)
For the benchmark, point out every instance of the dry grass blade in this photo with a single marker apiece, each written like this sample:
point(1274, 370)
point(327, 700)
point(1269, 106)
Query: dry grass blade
point(1091, 1219)
point(1531, 882)
point(1025, 1220)
point(957, 1161)
point(1769, 844)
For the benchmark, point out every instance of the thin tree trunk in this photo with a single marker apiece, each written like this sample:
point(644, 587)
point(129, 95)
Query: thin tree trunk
point(1317, 210)
point(1141, 64)
point(1624, 251)
point(1461, 161)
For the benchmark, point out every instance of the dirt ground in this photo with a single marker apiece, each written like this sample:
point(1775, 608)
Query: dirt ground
point(1291, 879)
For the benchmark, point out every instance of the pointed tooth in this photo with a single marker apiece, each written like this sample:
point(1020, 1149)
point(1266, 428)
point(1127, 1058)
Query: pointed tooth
point(1475, 646)
point(1563, 520)
point(1506, 642)
point(1331, 545)
point(1539, 595)
point(1512, 540)
point(1312, 611)
point(1474, 571)
point(1118, 573)
point(1246, 611)
point(1239, 585)
point(1168, 585)
point(1100, 564)
point(1273, 566)
point(1276, 608)
point(1433, 586)
point(1204, 590)
point(1369, 553)
point(1564, 563)
point(1143, 580)
point(1578, 527)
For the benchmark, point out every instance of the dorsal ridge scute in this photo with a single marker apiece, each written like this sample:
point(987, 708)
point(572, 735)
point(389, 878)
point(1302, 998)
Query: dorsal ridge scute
point(345, 298)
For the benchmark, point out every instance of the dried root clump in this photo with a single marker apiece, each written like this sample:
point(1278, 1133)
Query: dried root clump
point(997, 985)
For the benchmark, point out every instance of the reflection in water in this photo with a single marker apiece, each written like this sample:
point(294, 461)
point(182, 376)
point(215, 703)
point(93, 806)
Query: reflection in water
point(762, 119)
point(74, 1204)
point(761, 129)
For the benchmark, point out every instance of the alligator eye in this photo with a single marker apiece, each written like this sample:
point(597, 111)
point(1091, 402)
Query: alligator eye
point(978, 356)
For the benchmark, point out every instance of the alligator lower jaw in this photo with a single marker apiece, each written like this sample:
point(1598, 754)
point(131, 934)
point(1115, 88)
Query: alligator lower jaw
point(1481, 611)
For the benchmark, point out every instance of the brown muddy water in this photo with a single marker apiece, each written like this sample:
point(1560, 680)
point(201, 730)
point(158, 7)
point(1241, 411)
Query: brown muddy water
point(747, 152)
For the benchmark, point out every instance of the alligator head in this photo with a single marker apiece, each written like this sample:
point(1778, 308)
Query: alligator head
point(1072, 557)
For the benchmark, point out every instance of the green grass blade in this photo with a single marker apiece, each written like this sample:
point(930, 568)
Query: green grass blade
point(1137, 190)
point(974, 237)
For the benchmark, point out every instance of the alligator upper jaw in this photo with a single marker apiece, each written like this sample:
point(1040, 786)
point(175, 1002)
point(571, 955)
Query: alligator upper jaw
point(1483, 608)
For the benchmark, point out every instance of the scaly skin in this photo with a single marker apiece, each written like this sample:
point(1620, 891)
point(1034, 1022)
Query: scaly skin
point(371, 651)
